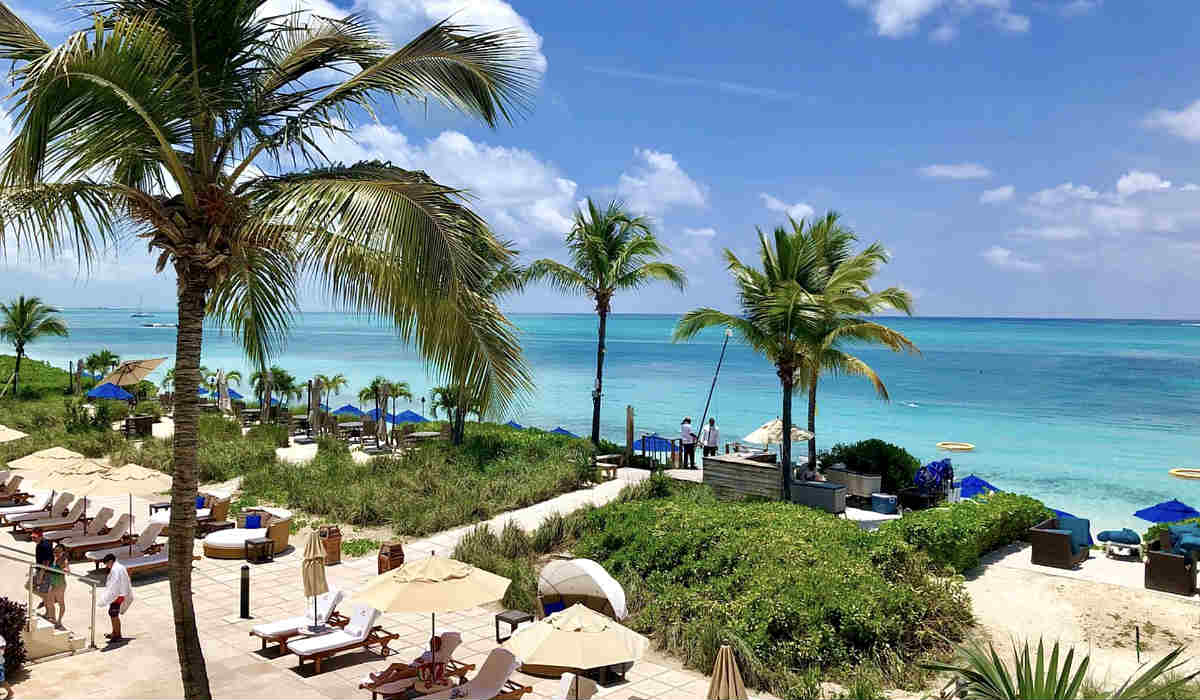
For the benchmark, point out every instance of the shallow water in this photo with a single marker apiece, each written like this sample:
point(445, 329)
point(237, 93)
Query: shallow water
point(1086, 415)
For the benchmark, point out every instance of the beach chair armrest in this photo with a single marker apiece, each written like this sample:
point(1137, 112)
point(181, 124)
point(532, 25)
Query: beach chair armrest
point(458, 668)
point(336, 619)
point(511, 690)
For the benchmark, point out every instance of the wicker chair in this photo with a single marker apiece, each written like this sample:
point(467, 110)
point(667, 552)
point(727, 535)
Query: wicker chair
point(1169, 572)
point(1052, 547)
point(218, 512)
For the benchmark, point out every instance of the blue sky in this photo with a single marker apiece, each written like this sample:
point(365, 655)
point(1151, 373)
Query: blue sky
point(1017, 157)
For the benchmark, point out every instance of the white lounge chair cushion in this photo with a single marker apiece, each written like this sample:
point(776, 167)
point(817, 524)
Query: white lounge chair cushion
point(233, 538)
point(164, 516)
point(147, 539)
point(499, 665)
point(326, 604)
point(69, 518)
point(355, 632)
point(143, 561)
point(38, 503)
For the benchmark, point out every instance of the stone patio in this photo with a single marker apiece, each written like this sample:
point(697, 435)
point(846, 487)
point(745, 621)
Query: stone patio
point(147, 666)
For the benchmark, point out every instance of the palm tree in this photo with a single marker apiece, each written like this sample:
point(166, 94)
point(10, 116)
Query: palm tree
point(399, 389)
point(986, 676)
point(103, 361)
point(808, 285)
point(232, 376)
point(177, 121)
point(610, 250)
point(330, 385)
point(24, 320)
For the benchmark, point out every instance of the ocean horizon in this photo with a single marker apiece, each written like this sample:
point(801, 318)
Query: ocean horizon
point(1085, 414)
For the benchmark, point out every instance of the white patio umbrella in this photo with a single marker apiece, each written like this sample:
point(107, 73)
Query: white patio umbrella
point(771, 433)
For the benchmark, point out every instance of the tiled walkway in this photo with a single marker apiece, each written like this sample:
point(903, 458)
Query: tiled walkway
point(148, 666)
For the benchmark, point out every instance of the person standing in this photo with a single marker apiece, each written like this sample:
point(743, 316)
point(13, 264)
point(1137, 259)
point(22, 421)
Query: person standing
point(43, 555)
point(117, 595)
point(3, 674)
point(710, 437)
point(58, 585)
point(689, 443)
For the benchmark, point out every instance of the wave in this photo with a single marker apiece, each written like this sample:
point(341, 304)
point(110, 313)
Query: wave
point(911, 404)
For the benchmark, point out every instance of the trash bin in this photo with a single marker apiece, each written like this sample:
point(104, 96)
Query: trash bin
point(331, 537)
point(391, 556)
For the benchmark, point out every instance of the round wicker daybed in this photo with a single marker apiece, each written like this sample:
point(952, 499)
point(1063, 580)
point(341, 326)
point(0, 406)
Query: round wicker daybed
point(231, 544)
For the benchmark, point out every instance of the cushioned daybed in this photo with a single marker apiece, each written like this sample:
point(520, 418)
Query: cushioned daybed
point(275, 524)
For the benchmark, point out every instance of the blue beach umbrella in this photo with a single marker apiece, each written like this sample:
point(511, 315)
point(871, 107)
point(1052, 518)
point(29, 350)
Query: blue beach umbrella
point(514, 424)
point(409, 417)
point(1168, 512)
point(234, 396)
point(653, 443)
point(973, 486)
point(201, 391)
point(108, 390)
point(563, 431)
point(349, 410)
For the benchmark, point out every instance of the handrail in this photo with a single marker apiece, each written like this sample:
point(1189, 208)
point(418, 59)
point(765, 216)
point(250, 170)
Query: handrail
point(29, 586)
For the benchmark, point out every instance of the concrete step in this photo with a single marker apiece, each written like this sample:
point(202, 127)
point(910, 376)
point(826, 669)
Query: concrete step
point(45, 640)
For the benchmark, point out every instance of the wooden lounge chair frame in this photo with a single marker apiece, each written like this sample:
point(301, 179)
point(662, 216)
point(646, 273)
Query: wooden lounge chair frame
point(454, 669)
point(336, 619)
point(377, 635)
point(511, 690)
point(27, 526)
point(126, 539)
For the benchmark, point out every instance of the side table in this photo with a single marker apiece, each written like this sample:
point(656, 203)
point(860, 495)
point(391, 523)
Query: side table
point(160, 505)
point(513, 618)
point(260, 550)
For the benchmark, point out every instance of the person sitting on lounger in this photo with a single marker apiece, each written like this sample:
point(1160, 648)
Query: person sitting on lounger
point(397, 672)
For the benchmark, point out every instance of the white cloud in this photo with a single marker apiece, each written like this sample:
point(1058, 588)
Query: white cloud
point(656, 183)
point(1006, 259)
point(1074, 8)
point(1053, 233)
point(1184, 123)
point(406, 18)
point(898, 18)
point(1136, 181)
point(1000, 194)
point(1065, 192)
point(1190, 187)
point(1117, 218)
point(956, 171)
point(799, 210)
point(707, 232)
point(520, 195)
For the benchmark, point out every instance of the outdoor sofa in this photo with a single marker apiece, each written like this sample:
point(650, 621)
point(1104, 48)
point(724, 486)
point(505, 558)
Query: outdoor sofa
point(1169, 568)
point(1059, 542)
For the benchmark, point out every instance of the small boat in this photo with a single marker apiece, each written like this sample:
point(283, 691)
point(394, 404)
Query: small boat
point(160, 325)
point(139, 313)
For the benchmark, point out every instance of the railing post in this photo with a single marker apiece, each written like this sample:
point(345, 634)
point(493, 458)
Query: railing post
point(245, 592)
point(29, 604)
point(92, 629)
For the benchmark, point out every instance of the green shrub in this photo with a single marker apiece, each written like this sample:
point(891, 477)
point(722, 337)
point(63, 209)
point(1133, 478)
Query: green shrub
point(211, 427)
point(550, 534)
point(793, 588)
point(893, 462)
point(112, 410)
point(276, 435)
point(359, 547)
point(148, 408)
point(12, 627)
point(482, 548)
point(956, 536)
point(514, 543)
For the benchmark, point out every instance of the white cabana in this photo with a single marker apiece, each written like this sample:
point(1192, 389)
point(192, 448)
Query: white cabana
point(570, 581)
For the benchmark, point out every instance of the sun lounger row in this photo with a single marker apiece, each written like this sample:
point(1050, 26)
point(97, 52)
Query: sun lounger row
point(43, 506)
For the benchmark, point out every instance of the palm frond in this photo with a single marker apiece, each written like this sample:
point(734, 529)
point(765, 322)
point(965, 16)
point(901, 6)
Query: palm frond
point(18, 41)
point(256, 302)
point(560, 277)
point(50, 218)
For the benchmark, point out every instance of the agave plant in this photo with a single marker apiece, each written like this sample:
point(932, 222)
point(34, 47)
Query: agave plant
point(986, 676)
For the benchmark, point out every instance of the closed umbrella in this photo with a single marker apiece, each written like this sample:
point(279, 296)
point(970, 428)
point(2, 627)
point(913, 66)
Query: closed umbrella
point(771, 433)
point(223, 402)
point(577, 638)
point(312, 570)
point(433, 585)
point(726, 683)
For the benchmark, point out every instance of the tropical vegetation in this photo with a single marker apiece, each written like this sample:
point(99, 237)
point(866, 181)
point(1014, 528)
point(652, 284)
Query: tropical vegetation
point(24, 320)
point(809, 298)
point(177, 121)
point(895, 464)
point(610, 250)
point(984, 675)
point(102, 361)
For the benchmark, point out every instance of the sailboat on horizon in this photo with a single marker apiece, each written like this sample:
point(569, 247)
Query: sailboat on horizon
point(139, 313)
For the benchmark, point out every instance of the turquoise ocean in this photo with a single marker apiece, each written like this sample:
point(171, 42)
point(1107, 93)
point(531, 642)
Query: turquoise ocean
point(1087, 415)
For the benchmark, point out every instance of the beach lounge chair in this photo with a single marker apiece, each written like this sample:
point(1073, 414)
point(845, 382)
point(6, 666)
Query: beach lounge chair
point(95, 525)
point(41, 503)
point(147, 543)
point(360, 632)
point(573, 687)
point(492, 681)
point(404, 677)
point(280, 631)
point(145, 563)
point(1059, 542)
point(1169, 569)
point(61, 506)
point(11, 484)
point(114, 537)
point(77, 514)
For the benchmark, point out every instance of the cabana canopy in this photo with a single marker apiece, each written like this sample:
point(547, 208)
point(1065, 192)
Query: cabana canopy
point(109, 391)
point(408, 417)
point(570, 581)
point(563, 431)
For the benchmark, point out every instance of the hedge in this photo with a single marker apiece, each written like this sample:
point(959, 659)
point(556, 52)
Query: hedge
point(957, 535)
point(894, 463)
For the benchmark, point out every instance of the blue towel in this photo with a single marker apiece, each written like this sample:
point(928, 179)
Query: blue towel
point(253, 522)
point(1122, 536)
point(551, 608)
point(199, 502)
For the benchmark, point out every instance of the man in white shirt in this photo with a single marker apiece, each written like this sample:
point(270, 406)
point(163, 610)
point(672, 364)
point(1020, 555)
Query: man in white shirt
point(710, 437)
point(688, 438)
point(117, 595)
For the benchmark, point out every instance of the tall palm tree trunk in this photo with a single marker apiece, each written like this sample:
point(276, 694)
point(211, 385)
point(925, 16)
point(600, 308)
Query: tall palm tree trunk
point(785, 447)
point(812, 422)
point(599, 377)
point(17, 370)
point(192, 289)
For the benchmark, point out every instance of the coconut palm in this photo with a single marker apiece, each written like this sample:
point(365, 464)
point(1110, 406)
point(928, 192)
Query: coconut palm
point(987, 677)
point(806, 286)
point(329, 385)
point(399, 389)
point(103, 361)
point(175, 121)
point(22, 321)
point(610, 251)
